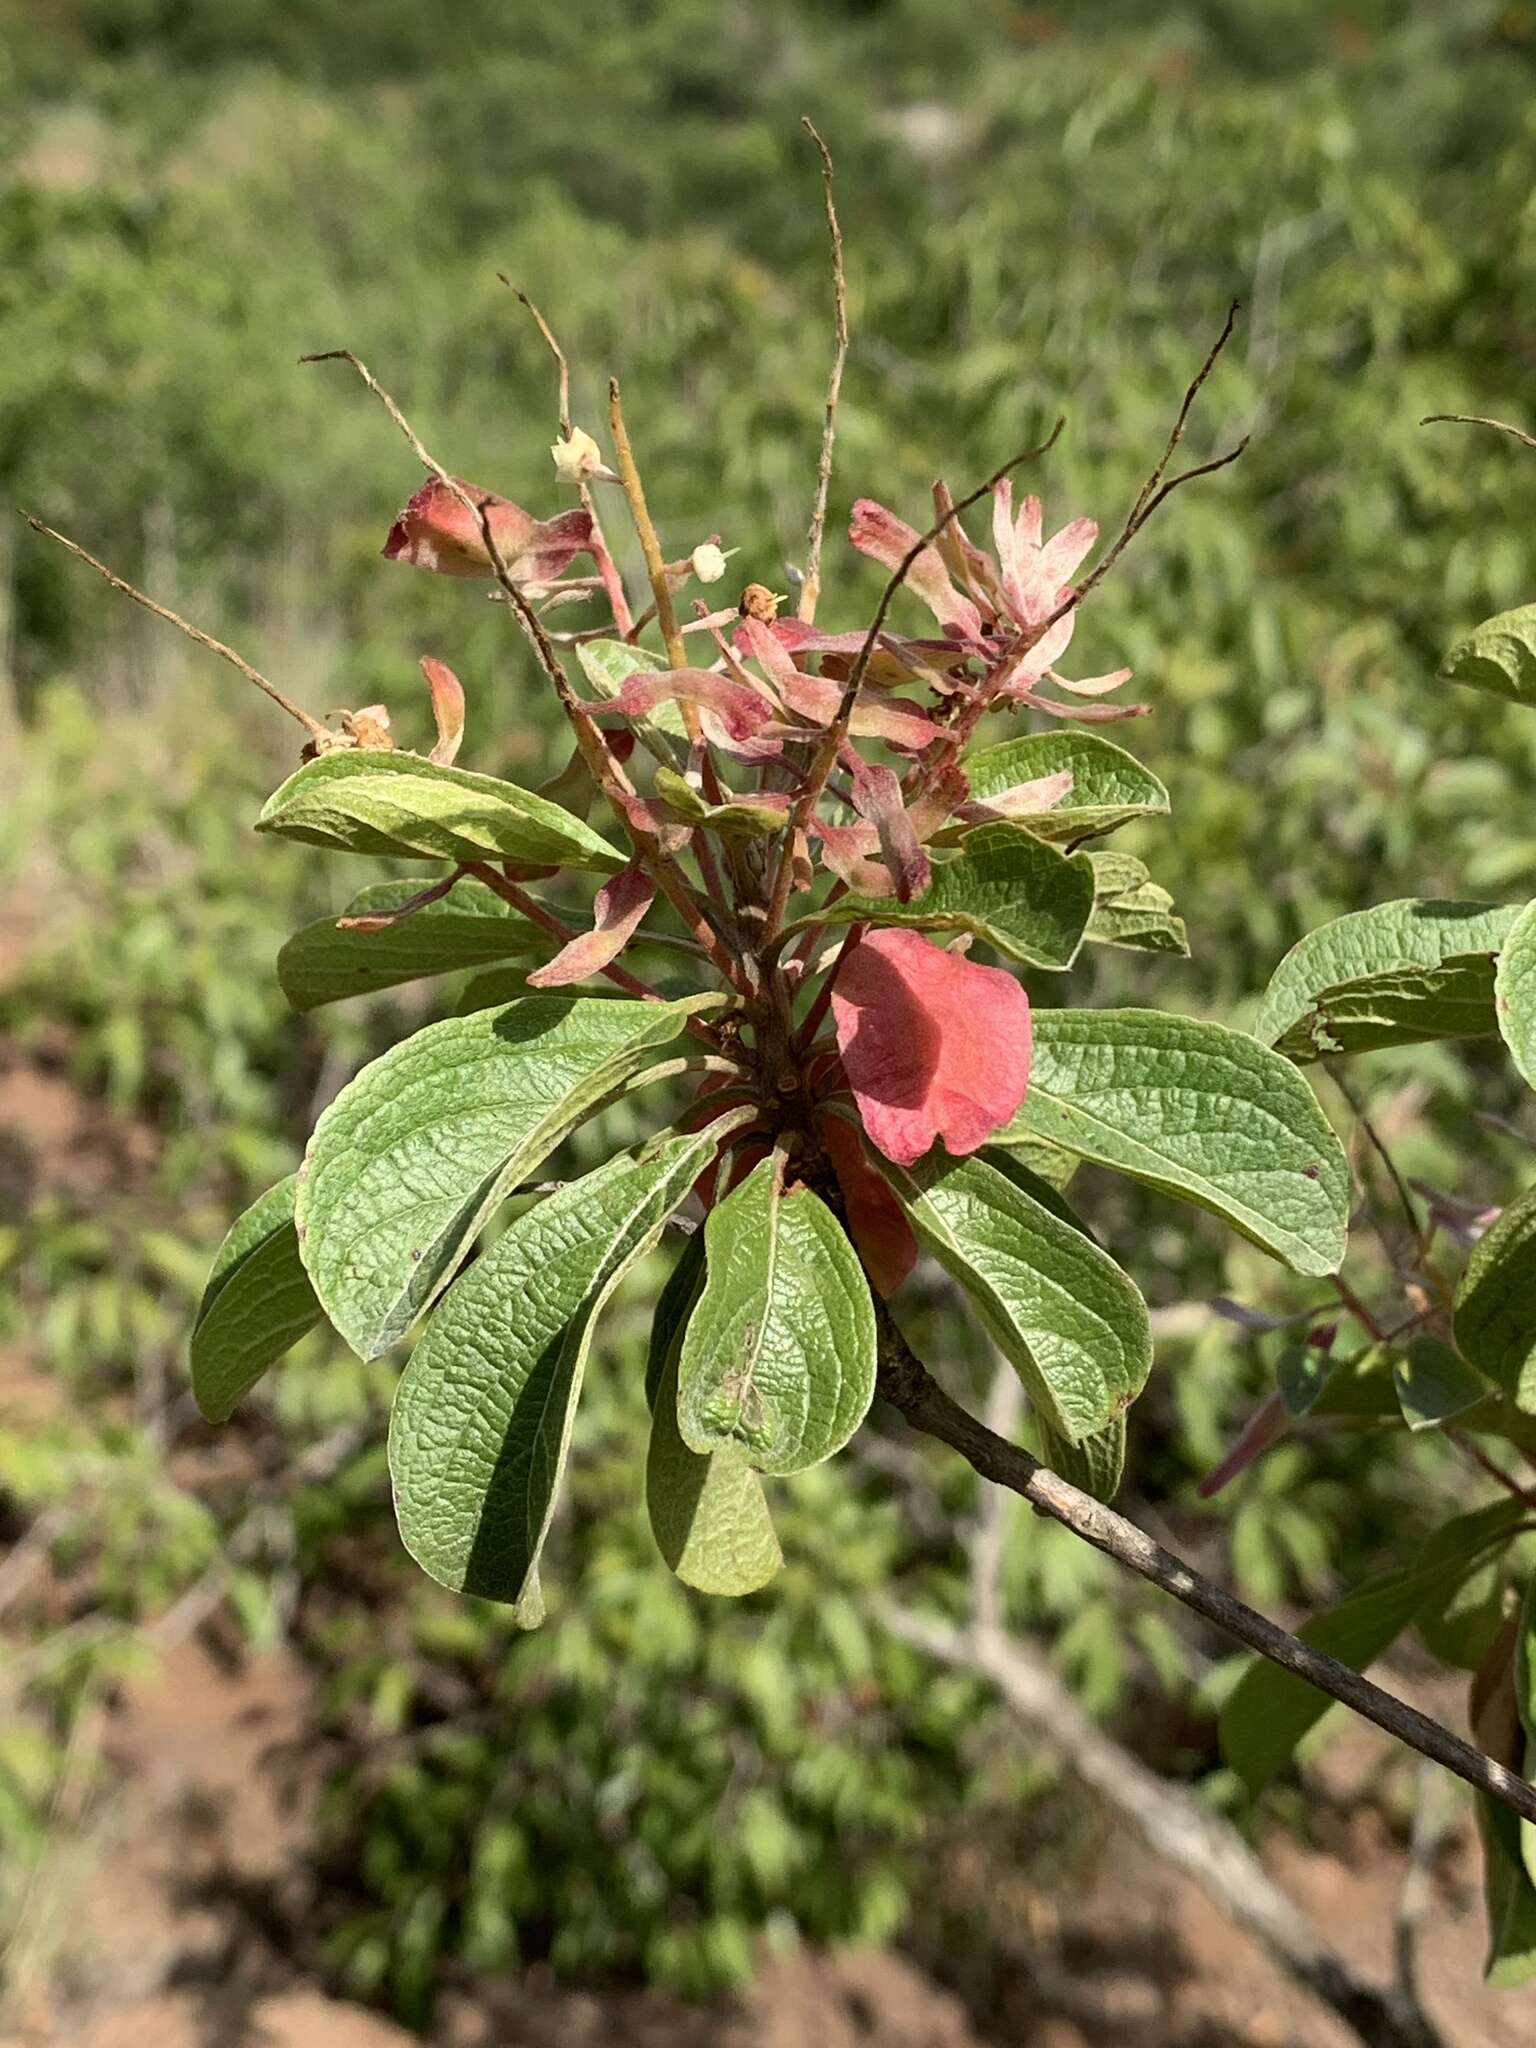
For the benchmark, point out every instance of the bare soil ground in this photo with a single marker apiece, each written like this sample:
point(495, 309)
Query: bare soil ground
point(172, 1923)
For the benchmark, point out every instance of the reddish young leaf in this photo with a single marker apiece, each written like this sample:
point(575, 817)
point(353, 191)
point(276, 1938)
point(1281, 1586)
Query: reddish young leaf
point(877, 798)
point(447, 709)
point(618, 910)
point(819, 698)
point(1264, 1428)
point(879, 533)
point(437, 530)
point(934, 1045)
point(876, 1221)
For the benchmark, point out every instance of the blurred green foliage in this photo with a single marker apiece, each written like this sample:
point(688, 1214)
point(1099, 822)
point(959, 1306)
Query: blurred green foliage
point(1047, 209)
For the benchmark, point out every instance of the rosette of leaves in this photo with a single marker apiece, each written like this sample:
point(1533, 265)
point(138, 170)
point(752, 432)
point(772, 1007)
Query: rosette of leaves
point(803, 818)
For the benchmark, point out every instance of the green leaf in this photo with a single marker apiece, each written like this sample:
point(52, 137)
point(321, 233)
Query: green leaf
point(1498, 657)
point(1198, 1111)
point(608, 666)
point(1109, 786)
point(469, 927)
point(1361, 1388)
point(1302, 1373)
point(1270, 1710)
point(1510, 1896)
point(1004, 886)
point(483, 1413)
point(708, 1513)
point(1433, 1384)
point(1097, 1464)
point(1132, 911)
point(491, 990)
point(1514, 992)
point(779, 1356)
point(1495, 1316)
point(1053, 1164)
point(1061, 1311)
point(736, 818)
point(1398, 974)
point(1460, 1624)
point(1525, 1709)
point(257, 1304)
point(402, 805)
point(411, 1158)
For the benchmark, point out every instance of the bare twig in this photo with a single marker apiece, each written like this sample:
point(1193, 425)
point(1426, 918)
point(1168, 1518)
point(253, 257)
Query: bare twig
point(825, 759)
point(810, 588)
point(320, 734)
point(908, 1386)
point(1476, 1455)
point(1476, 419)
point(650, 544)
point(562, 367)
point(1159, 486)
point(610, 579)
point(1378, 1145)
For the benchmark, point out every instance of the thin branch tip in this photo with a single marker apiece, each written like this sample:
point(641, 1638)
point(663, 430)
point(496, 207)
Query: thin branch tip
point(322, 735)
point(810, 586)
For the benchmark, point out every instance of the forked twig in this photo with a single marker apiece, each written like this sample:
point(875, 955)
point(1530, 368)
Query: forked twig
point(810, 588)
point(1159, 486)
point(320, 734)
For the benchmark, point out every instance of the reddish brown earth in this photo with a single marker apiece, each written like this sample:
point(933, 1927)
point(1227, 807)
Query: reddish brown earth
point(166, 1927)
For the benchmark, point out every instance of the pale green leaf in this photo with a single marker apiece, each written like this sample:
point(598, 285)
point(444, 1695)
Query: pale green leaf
point(1434, 1384)
point(1004, 886)
point(1498, 657)
point(736, 818)
point(1496, 1303)
point(469, 927)
point(1397, 974)
point(1109, 786)
point(1271, 1709)
point(414, 1154)
point(257, 1304)
point(405, 806)
point(1514, 991)
point(1096, 1465)
point(483, 1413)
point(779, 1355)
point(608, 666)
point(1139, 920)
point(1061, 1311)
point(708, 1513)
point(1198, 1111)
point(1510, 1896)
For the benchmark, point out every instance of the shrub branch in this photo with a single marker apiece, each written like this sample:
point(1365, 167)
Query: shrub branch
point(907, 1384)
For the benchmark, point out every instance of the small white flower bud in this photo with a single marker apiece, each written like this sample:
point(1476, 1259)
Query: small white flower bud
point(576, 457)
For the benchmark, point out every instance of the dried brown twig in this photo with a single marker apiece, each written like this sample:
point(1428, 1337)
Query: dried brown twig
point(322, 735)
point(1159, 486)
point(810, 588)
point(1477, 419)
